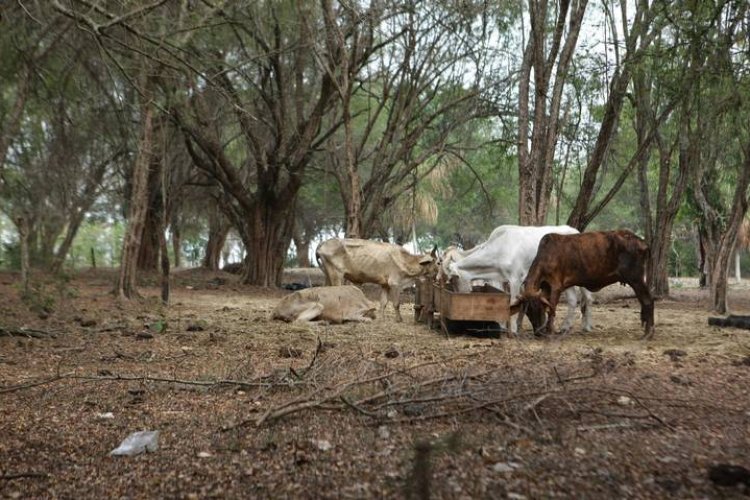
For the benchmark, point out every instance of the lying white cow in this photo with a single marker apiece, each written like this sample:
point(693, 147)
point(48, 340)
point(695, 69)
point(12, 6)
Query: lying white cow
point(365, 261)
point(506, 256)
point(334, 304)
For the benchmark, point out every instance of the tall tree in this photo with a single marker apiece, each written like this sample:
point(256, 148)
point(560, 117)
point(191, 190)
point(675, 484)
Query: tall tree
point(544, 69)
point(406, 108)
point(254, 128)
point(721, 173)
point(637, 36)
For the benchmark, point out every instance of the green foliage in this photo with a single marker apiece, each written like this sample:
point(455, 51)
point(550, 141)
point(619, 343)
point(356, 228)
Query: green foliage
point(159, 326)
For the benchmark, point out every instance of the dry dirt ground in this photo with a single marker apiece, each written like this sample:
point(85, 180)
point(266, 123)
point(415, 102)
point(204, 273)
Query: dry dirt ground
point(253, 408)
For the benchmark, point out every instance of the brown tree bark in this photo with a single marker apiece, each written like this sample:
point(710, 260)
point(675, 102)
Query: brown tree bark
point(148, 252)
point(720, 269)
point(22, 225)
point(176, 242)
point(126, 284)
point(267, 235)
point(536, 153)
point(79, 209)
point(302, 244)
point(218, 229)
point(637, 41)
point(658, 226)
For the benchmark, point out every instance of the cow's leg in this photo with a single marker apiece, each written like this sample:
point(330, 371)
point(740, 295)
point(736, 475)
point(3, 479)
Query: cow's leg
point(383, 301)
point(586, 301)
point(310, 312)
point(554, 298)
point(572, 300)
point(647, 308)
point(515, 289)
point(396, 301)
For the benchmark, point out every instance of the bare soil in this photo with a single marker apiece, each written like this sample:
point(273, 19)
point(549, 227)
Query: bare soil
point(254, 408)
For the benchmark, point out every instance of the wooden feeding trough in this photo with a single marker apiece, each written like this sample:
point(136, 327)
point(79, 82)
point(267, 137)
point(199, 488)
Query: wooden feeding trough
point(481, 305)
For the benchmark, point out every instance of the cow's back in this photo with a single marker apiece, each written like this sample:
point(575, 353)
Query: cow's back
point(592, 260)
point(512, 248)
point(366, 261)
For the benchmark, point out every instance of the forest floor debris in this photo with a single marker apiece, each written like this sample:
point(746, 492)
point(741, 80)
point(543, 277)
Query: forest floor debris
point(248, 406)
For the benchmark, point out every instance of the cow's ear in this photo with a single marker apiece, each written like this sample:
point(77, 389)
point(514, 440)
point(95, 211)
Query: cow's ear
point(516, 306)
point(426, 260)
point(434, 252)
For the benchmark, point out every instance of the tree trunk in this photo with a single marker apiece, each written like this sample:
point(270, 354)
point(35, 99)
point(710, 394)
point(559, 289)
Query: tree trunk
point(550, 61)
point(126, 285)
point(62, 251)
point(720, 269)
point(266, 236)
point(10, 129)
point(737, 274)
point(148, 253)
point(177, 244)
point(22, 224)
point(218, 229)
point(303, 251)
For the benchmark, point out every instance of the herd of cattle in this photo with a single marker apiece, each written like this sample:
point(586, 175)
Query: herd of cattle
point(538, 265)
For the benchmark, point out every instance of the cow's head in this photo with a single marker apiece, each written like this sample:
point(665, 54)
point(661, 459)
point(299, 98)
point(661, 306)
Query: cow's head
point(429, 263)
point(533, 306)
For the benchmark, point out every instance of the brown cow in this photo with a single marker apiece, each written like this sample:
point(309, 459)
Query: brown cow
point(591, 260)
point(366, 261)
point(334, 304)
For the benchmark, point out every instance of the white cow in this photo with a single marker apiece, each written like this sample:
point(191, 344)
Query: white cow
point(506, 256)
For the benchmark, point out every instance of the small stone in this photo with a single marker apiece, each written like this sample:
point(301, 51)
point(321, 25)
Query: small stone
point(383, 432)
point(391, 353)
point(579, 452)
point(391, 414)
point(144, 335)
point(105, 416)
point(516, 496)
point(675, 354)
point(677, 379)
point(322, 444)
point(204, 454)
point(194, 327)
point(624, 401)
point(88, 322)
point(502, 467)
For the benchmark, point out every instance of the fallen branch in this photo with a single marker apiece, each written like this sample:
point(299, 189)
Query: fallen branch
point(142, 378)
point(22, 475)
point(19, 387)
point(25, 332)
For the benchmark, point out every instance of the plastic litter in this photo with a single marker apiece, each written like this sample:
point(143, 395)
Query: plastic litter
point(137, 443)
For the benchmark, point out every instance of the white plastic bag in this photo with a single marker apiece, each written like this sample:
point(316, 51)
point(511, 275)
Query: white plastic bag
point(138, 442)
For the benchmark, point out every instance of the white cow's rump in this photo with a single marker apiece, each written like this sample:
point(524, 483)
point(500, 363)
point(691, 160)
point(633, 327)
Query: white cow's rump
point(334, 304)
